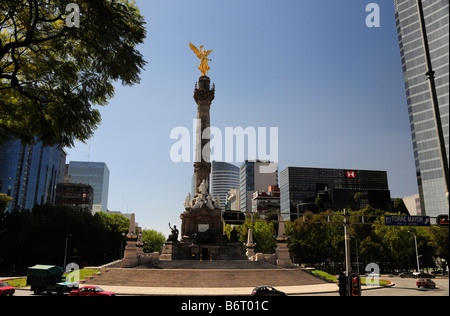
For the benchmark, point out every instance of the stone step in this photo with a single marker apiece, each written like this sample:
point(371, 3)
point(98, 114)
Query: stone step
point(218, 264)
point(203, 278)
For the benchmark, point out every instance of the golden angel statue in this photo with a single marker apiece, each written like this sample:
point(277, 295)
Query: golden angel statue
point(203, 56)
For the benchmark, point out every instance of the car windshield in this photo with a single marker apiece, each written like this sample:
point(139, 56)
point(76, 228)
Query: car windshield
point(3, 284)
point(98, 289)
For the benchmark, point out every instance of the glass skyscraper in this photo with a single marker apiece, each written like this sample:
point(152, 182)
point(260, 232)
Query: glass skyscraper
point(97, 175)
point(29, 173)
point(224, 177)
point(423, 130)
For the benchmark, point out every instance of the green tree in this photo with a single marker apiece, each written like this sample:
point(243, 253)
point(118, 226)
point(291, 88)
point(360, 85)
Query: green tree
point(153, 240)
point(52, 75)
point(438, 239)
point(263, 234)
point(4, 201)
point(315, 240)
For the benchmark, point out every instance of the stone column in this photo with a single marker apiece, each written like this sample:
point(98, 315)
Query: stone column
point(250, 246)
point(130, 256)
point(203, 96)
point(283, 256)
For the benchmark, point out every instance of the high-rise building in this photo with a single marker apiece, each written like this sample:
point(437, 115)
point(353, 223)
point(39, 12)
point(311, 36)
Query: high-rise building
point(319, 189)
point(76, 196)
point(97, 175)
point(29, 173)
point(224, 177)
point(423, 129)
point(255, 175)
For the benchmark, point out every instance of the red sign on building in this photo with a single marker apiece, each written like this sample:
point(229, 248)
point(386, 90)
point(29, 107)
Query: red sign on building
point(350, 174)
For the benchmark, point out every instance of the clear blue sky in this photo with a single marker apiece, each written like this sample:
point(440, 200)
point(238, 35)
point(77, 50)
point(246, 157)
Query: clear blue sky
point(332, 86)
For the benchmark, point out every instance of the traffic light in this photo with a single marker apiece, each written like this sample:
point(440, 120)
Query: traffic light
point(354, 283)
point(442, 220)
point(343, 288)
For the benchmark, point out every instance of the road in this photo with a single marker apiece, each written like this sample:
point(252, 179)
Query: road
point(403, 287)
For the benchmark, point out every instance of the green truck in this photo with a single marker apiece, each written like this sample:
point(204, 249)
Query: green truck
point(48, 278)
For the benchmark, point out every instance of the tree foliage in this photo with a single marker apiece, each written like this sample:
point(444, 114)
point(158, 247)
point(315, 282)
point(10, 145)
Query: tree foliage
point(391, 247)
point(153, 240)
point(52, 75)
point(39, 237)
point(263, 234)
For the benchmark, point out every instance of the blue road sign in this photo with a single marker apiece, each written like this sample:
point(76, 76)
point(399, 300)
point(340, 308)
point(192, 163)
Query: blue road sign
point(406, 220)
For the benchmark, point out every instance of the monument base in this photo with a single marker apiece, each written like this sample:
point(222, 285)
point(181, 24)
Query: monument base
point(189, 251)
point(283, 256)
point(130, 258)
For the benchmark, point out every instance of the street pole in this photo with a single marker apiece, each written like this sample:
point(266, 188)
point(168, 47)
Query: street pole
point(417, 250)
point(348, 267)
point(417, 253)
point(65, 251)
point(434, 100)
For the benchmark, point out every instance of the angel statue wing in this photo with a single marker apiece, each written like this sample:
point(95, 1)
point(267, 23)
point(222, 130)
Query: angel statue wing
point(207, 52)
point(195, 50)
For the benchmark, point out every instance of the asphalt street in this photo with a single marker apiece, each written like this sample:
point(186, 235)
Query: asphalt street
point(402, 287)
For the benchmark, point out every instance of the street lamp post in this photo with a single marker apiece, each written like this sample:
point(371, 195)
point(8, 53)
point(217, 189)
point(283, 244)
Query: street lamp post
point(65, 251)
point(417, 251)
point(348, 267)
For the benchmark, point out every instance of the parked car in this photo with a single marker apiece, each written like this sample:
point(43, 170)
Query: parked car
point(424, 275)
point(428, 283)
point(267, 291)
point(6, 289)
point(91, 291)
point(408, 275)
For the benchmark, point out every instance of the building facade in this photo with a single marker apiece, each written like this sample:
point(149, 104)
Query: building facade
point(423, 130)
point(76, 196)
point(224, 177)
point(97, 175)
point(267, 202)
point(255, 175)
point(319, 189)
point(29, 173)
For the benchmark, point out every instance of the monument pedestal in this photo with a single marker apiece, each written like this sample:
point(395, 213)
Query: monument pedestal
point(171, 251)
point(130, 257)
point(283, 256)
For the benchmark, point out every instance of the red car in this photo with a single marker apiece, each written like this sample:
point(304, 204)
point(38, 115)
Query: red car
point(426, 283)
point(91, 291)
point(6, 289)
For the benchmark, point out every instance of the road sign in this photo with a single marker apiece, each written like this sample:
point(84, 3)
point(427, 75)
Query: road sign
point(442, 220)
point(406, 220)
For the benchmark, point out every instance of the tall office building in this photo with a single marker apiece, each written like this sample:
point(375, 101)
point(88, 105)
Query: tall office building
point(336, 189)
point(29, 173)
point(97, 175)
point(224, 177)
point(255, 175)
point(423, 129)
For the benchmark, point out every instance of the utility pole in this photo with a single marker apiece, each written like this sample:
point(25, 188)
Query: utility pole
point(434, 100)
point(65, 251)
point(348, 267)
point(417, 250)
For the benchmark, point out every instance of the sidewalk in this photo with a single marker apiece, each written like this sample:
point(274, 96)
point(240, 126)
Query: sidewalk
point(240, 291)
